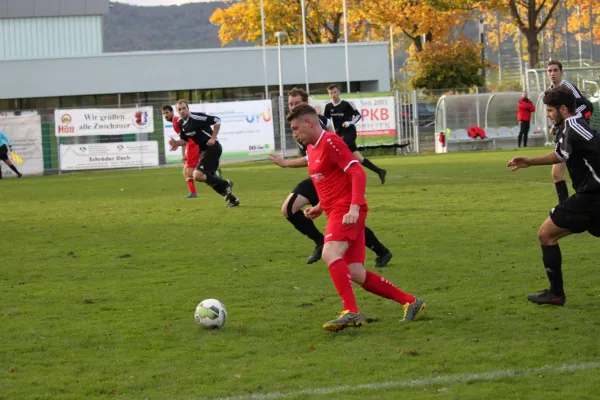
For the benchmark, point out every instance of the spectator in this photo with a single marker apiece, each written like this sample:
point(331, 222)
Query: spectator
point(525, 109)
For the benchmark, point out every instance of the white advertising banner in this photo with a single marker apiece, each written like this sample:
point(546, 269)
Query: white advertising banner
point(88, 156)
point(246, 129)
point(103, 121)
point(25, 133)
point(378, 117)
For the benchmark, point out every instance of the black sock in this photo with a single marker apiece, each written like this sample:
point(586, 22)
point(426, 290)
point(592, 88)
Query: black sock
point(12, 166)
point(368, 164)
point(552, 262)
point(219, 185)
point(562, 191)
point(374, 244)
point(307, 227)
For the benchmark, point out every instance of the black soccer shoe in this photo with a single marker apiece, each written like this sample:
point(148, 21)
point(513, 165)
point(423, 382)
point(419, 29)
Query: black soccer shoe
point(232, 201)
point(547, 297)
point(382, 173)
point(382, 261)
point(316, 255)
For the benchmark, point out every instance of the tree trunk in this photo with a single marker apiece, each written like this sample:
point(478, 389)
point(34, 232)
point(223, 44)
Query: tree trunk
point(533, 47)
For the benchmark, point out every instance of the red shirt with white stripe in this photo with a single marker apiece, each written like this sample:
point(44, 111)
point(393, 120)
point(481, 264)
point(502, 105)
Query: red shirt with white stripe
point(338, 176)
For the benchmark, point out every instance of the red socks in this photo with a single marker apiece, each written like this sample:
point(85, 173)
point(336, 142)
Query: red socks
point(191, 186)
point(382, 287)
point(340, 275)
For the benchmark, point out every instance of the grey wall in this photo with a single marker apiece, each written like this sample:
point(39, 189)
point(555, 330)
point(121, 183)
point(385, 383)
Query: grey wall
point(194, 69)
point(51, 8)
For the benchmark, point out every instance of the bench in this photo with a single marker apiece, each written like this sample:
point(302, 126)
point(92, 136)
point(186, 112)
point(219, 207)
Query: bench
point(501, 138)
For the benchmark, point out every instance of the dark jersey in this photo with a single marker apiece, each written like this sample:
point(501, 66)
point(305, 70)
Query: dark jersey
point(342, 112)
point(582, 104)
point(198, 128)
point(579, 147)
point(324, 122)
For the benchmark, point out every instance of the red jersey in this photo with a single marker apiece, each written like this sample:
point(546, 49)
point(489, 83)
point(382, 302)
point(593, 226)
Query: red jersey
point(337, 174)
point(525, 108)
point(176, 124)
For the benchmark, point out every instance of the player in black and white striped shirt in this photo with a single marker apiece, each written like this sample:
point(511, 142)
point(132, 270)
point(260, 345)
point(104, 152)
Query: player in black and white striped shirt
point(578, 147)
point(583, 106)
point(345, 117)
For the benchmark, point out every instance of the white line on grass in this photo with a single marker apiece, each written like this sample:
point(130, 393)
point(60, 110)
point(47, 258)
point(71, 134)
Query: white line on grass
point(439, 380)
point(443, 178)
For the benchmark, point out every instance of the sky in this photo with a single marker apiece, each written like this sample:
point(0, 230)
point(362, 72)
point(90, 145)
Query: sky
point(160, 2)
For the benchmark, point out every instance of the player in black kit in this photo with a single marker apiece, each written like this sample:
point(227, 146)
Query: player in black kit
point(344, 116)
point(579, 147)
point(305, 193)
point(199, 128)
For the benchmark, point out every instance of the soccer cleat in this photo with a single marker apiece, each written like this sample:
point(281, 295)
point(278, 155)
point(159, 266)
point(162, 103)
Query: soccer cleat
point(346, 319)
point(316, 255)
point(382, 173)
point(19, 175)
point(382, 261)
point(232, 201)
point(191, 196)
point(547, 297)
point(414, 309)
point(228, 190)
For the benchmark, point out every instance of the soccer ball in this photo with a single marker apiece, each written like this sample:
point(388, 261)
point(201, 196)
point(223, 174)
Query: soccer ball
point(211, 313)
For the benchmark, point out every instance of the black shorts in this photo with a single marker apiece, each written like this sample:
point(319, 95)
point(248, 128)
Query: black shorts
point(579, 213)
point(4, 152)
point(349, 137)
point(307, 189)
point(209, 158)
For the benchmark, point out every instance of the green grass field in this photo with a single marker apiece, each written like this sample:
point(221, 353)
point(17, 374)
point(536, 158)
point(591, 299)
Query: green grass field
point(101, 273)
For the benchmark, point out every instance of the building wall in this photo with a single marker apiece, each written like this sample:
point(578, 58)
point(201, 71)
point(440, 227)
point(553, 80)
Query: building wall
point(111, 73)
point(51, 8)
point(50, 37)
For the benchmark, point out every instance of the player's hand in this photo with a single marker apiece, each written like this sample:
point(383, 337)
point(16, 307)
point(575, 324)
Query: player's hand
point(211, 141)
point(313, 212)
point(183, 158)
point(173, 144)
point(351, 217)
point(346, 124)
point(277, 160)
point(553, 130)
point(519, 162)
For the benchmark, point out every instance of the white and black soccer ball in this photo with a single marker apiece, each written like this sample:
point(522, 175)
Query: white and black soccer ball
point(210, 313)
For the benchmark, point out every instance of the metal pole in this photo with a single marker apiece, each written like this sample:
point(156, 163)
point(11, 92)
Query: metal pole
point(392, 54)
point(346, 47)
point(591, 34)
point(566, 32)
point(264, 47)
point(579, 35)
point(482, 41)
point(279, 64)
point(305, 50)
point(520, 44)
point(499, 48)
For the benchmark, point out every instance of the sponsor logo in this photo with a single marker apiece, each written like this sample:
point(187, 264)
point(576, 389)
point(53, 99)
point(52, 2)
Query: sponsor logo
point(66, 119)
point(141, 119)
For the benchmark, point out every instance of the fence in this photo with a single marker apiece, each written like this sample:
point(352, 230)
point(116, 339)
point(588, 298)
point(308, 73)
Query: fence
point(403, 122)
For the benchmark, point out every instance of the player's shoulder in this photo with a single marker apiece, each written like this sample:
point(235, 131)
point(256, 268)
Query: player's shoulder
point(332, 139)
point(578, 128)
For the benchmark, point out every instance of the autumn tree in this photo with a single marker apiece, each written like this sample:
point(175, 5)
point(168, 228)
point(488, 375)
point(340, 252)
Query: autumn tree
point(324, 21)
point(443, 65)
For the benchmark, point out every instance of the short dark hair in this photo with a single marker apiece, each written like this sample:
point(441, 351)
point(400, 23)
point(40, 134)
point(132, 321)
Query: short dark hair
point(299, 92)
point(333, 86)
point(555, 62)
point(560, 96)
point(167, 107)
point(301, 111)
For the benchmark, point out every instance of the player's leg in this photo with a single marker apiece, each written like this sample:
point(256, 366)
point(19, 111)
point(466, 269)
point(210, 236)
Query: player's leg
point(6, 160)
point(188, 174)
point(303, 194)
point(520, 137)
point(333, 255)
point(576, 215)
point(350, 139)
point(384, 255)
point(206, 172)
point(376, 284)
point(558, 175)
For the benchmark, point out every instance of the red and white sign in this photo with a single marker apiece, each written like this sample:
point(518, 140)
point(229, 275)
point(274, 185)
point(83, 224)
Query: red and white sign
point(378, 116)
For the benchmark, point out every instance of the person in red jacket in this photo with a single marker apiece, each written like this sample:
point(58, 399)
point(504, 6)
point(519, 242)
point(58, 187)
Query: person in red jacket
point(525, 109)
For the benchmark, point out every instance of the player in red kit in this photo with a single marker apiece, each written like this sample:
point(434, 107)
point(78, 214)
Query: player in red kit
point(190, 154)
point(340, 182)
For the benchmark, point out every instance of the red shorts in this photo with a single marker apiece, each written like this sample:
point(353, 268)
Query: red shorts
point(336, 231)
point(192, 154)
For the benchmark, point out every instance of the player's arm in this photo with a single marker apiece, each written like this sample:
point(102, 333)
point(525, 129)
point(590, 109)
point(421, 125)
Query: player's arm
point(355, 116)
point(345, 160)
point(183, 139)
point(6, 140)
point(283, 163)
point(330, 127)
point(524, 162)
